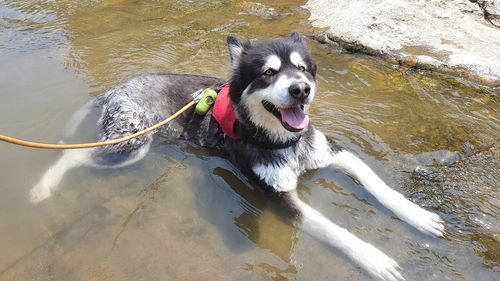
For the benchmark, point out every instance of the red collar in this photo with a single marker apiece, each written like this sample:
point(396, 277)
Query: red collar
point(223, 112)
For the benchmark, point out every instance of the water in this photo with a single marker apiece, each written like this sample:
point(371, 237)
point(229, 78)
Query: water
point(184, 214)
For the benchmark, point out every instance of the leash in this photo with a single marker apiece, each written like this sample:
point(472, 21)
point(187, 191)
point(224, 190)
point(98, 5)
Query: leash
point(203, 99)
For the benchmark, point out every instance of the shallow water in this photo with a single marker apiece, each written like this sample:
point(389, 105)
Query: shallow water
point(184, 214)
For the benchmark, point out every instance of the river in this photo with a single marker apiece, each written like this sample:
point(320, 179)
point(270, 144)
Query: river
point(185, 214)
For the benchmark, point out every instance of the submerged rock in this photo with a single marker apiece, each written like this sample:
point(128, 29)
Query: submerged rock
point(460, 37)
point(262, 11)
point(466, 195)
point(440, 157)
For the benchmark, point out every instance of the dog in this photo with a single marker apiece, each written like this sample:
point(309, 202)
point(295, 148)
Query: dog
point(261, 123)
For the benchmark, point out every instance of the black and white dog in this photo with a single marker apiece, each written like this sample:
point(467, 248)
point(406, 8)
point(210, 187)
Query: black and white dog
point(269, 138)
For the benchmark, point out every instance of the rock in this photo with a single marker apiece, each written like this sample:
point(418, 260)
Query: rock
point(491, 11)
point(440, 157)
point(459, 37)
point(426, 174)
point(262, 11)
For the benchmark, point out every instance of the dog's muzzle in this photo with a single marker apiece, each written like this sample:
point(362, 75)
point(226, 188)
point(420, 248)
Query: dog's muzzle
point(299, 91)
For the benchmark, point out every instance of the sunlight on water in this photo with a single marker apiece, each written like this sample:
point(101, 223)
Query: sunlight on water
point(185, 214)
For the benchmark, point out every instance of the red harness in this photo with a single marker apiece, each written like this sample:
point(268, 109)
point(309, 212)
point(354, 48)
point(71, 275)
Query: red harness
point(223, 112)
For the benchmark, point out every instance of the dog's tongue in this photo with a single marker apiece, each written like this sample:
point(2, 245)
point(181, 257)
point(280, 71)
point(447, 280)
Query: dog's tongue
point(294, 117)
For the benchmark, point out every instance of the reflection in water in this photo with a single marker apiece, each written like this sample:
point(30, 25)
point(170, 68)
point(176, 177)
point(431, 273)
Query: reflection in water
point(264, 227)
point(183, 213)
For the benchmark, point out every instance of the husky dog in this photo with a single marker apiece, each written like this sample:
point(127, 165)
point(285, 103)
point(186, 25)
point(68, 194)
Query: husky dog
point(270, 138)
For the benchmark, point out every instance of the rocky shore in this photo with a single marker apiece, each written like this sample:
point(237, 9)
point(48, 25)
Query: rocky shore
point(459, 37)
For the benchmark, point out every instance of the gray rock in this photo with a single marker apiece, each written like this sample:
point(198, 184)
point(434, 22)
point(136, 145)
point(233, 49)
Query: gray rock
point(440, 157)
point(460, 37)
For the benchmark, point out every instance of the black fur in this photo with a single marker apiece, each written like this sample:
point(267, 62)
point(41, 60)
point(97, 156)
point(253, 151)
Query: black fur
point(156, 96)
point(276, 143)
point(248, 70)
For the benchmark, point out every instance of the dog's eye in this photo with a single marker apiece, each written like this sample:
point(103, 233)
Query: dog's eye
point(302, 68)
point(269, 72)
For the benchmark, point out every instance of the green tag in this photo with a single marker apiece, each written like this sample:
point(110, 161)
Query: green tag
point(205, 102)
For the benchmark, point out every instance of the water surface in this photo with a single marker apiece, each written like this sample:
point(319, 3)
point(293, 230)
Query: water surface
point(184, 214)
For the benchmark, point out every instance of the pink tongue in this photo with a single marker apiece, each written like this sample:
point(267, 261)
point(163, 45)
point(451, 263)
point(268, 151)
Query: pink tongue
point(294, 117)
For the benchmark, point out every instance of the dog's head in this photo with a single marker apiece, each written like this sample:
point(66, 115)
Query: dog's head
point(272, 85)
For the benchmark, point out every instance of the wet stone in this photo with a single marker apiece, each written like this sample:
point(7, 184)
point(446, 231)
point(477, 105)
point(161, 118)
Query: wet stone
point(469, 149)
point(262, 11)
point(426, 174)
point(440, 157)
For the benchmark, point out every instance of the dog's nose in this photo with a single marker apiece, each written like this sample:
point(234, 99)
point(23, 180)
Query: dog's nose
point(299, 90)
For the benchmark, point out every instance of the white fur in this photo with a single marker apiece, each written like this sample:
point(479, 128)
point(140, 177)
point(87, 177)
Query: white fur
point(278, 95)
point(281, 178)
point(273, 62)
point(53, 176)
point(77, 118)
point(321, 156)
point(263, 118)
point(372, 260)
point(284, 178)
point(423, 220)
point(235, 51)
point(82, 157)
point(69, 160)
point(278, 92)
point(297, 59)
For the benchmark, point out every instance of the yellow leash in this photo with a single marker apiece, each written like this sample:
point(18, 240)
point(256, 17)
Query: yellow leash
point(103, 143)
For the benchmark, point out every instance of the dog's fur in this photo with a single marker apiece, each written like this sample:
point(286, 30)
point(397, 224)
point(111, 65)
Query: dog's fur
point(270, 79)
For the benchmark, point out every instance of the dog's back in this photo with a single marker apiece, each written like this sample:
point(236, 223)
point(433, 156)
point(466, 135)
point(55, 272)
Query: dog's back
point(129, 108)
point(147, 100)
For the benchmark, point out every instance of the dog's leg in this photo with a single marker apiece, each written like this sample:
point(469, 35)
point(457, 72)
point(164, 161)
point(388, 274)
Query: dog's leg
point(74, 158)
point(423, 220)
point(283, 180)
point(53, 176)
point(77, 118)
point(118, 120)
point(370, 259)
point(70, 159)
point(325, 154)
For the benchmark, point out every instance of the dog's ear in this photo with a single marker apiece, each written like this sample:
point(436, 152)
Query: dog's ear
point(296, 37)
point(236, 48)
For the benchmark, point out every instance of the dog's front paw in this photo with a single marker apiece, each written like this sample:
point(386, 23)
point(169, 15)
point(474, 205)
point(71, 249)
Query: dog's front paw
point(423, 220)
point(39, 193)
point(428, 222)
point(376, 263)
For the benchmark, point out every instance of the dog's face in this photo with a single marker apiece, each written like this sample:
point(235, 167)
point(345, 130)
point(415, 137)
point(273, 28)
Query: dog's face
point(272, 84)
